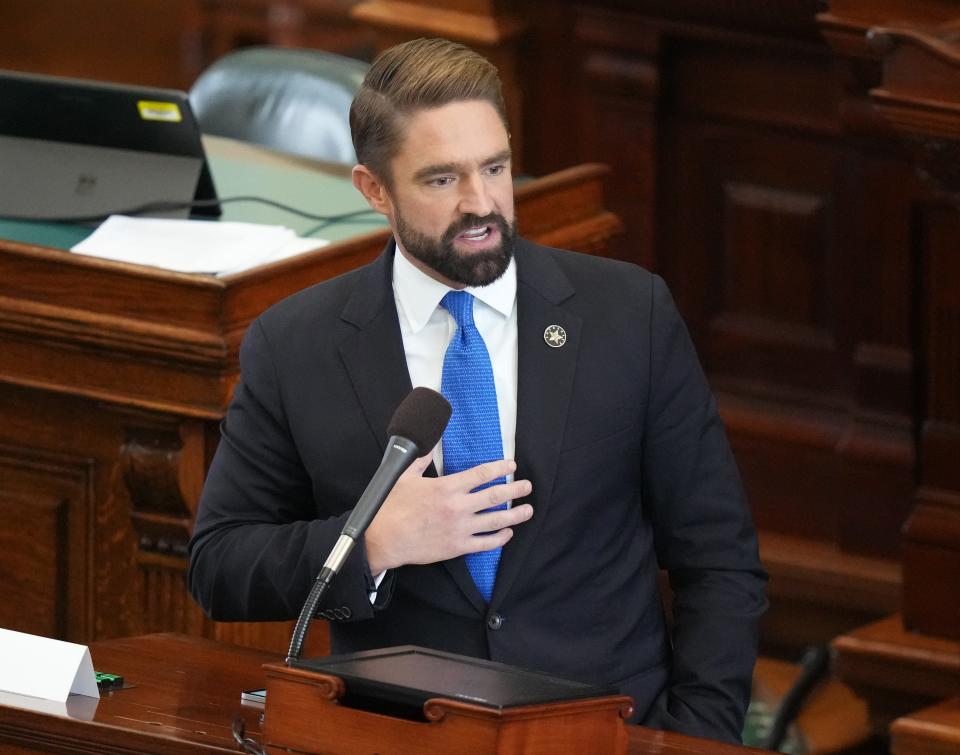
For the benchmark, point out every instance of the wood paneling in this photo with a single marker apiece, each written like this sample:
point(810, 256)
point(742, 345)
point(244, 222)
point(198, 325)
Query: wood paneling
point(46, 547)
point(32, 564)
point(167, 43)
point(785, 234)
point(917, 97)
point(150, 42)
point(225, 25)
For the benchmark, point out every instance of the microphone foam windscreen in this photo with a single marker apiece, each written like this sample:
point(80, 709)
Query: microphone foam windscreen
point(421, 417)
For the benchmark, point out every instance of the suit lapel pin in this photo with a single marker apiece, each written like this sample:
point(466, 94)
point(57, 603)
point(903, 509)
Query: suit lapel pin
point(555, 336)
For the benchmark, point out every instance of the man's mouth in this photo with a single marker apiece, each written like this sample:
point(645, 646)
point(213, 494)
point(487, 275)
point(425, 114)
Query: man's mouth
point(480, 233)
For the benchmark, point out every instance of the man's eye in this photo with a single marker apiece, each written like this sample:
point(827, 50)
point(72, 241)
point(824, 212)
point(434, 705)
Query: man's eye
point(441, 181)
point(496, 170)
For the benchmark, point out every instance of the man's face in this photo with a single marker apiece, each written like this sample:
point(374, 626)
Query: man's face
point(451, 199)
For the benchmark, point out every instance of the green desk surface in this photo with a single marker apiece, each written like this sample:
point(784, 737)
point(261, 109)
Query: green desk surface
point(242, 170)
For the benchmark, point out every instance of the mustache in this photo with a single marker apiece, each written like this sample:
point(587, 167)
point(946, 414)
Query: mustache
point(473, 221)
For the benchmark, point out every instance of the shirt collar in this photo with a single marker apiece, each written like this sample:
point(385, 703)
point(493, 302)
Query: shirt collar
point(418, 295)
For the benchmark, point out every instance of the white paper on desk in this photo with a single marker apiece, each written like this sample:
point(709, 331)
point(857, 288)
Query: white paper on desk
point(45, 668)
point(193, 246)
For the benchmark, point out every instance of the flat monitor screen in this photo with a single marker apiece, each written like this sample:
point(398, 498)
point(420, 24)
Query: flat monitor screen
point(72, 149)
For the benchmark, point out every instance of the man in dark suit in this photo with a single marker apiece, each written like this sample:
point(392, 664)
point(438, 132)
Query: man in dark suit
point(610, 452)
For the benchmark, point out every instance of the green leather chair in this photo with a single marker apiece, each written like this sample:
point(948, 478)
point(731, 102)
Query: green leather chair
point(295, 101)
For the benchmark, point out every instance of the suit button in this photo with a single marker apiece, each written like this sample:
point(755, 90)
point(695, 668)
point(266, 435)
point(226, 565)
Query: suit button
point(495, 622)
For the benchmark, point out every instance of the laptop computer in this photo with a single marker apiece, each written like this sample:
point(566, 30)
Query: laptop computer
point(72, 149)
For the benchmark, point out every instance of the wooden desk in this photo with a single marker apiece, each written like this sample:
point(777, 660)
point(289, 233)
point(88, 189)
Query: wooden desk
point(895, 670)
point(932, 731)
point(183, 698)
point(113, 380)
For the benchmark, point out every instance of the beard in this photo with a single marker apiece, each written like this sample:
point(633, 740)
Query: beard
point(471, 269)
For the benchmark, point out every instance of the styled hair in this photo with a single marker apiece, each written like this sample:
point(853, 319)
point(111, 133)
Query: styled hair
point(422, 73)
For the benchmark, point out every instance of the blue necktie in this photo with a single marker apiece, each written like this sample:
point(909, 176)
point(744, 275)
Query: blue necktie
point(473, 434)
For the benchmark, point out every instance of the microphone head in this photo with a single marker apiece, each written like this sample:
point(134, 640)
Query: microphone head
point(421, 417)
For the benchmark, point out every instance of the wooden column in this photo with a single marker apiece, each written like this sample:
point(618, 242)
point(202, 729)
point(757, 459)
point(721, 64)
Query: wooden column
point(912, 658)
point(920, 97)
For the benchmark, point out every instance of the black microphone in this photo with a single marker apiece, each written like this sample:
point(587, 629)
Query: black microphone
point(415, 428)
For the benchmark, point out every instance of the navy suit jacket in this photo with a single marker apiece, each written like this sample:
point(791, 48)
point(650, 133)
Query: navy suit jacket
point(631, 472)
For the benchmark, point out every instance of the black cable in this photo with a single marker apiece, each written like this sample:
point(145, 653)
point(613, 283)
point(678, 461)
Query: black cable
point(167, 206)
point(250, 746)
point(335, 220)
point(813, 667)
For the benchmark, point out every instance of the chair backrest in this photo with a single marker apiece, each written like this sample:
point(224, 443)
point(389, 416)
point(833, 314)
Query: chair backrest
point(295, 101)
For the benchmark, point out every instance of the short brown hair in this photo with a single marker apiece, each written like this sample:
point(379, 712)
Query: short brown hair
point(422, 73)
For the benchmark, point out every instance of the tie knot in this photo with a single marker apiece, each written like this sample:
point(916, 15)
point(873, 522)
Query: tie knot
point(460, 305)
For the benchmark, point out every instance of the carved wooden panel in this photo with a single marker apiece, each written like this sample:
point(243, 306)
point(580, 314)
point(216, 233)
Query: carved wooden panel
point(32, 594)
point(755, 262)
point(770, 285)
point(46, 559)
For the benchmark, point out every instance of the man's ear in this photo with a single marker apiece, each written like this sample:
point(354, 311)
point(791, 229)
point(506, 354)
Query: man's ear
point(373, 189)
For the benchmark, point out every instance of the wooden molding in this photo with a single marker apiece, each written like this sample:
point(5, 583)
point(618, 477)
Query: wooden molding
point(478, 23)
point(931, 731)
point(896, 670)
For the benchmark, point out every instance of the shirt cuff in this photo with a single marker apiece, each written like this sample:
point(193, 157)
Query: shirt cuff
point(376, 585)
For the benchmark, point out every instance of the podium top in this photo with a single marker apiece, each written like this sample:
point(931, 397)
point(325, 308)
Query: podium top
point(408, 676)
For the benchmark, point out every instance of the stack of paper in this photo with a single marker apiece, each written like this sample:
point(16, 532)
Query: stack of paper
point(193, 246)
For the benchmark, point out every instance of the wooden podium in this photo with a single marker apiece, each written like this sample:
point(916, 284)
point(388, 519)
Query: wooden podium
point(306, 711)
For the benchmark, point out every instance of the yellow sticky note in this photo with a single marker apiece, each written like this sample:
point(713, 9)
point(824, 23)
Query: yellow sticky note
point(159, 111)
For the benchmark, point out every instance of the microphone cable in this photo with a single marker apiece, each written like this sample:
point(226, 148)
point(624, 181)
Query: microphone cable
point(169, 206)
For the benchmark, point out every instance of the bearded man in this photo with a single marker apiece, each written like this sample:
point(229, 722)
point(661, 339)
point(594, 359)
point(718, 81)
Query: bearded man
point(602, 460)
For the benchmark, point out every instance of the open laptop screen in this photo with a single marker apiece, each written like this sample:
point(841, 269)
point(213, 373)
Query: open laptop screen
point(73, 148)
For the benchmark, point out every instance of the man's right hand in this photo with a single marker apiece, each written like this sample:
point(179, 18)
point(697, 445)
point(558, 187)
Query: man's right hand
point(430, 519)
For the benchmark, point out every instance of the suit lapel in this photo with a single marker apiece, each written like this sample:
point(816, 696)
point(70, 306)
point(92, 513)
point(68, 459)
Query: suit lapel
point(373, 354)
point(544, 386)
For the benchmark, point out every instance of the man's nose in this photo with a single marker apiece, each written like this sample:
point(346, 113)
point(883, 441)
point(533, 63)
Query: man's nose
point(474, 197)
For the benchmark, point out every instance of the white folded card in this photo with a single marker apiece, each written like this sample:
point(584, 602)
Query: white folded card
point(193, 246)
point(45, 668)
